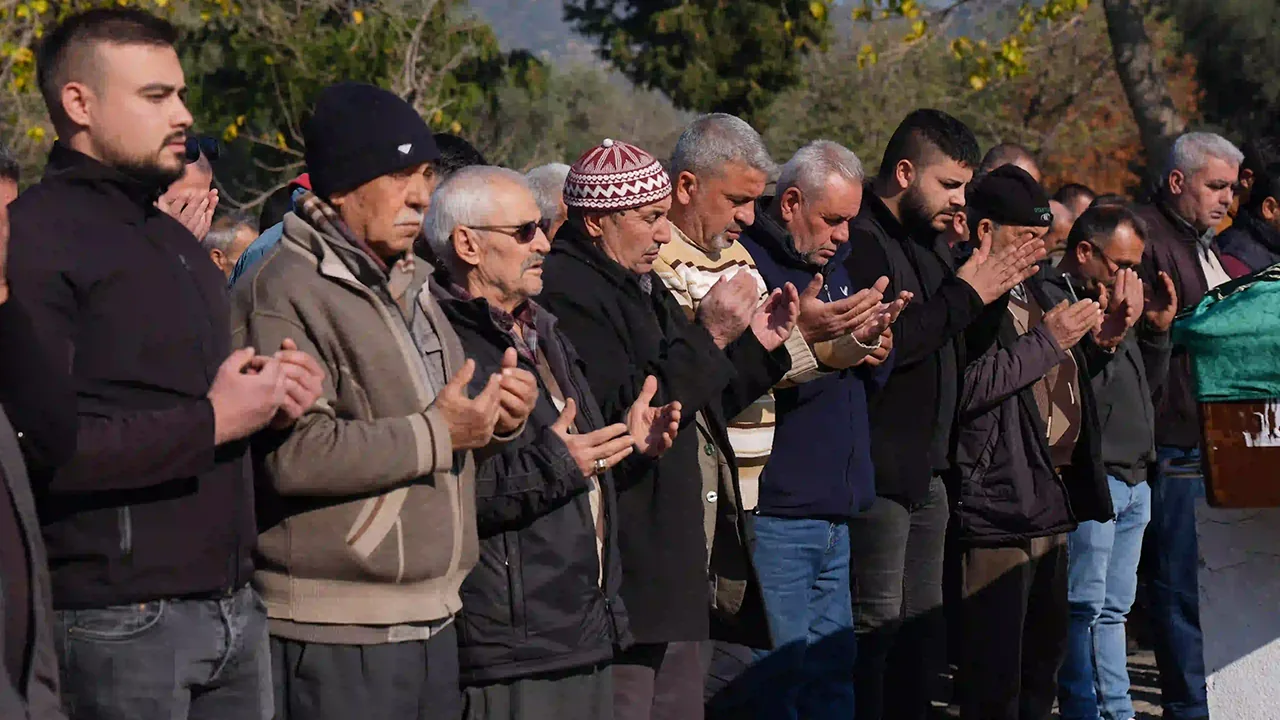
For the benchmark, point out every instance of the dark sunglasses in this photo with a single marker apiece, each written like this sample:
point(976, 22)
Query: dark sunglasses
point(523, 233)
point(198, 145)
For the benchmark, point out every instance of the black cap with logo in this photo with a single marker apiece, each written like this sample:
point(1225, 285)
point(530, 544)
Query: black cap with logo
point(1010, 196)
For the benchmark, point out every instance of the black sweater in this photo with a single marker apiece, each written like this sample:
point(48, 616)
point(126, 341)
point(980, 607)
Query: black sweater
point(147, 508)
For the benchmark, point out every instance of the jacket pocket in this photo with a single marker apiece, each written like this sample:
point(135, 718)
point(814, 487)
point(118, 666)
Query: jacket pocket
point(124, 521)
point(119, 623)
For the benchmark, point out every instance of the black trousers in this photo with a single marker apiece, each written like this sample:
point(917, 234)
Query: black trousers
point(660, 682)
point(415, 680)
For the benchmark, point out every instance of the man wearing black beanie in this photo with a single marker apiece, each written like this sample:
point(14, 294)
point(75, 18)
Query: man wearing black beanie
point(369, 522)
point(1028, 467)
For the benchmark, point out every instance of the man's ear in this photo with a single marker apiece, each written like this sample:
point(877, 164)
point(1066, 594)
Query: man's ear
point(1177, 182)
point(593, 224)
point(1270, 209)
point(466, 245)
point(905, 174)
point(1084, 252)
point(78, 103)
point(789, 203)
point(686, 186)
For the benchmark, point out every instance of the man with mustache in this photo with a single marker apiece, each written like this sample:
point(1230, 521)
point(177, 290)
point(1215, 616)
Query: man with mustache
point(369, 522)
point(542, 613)
point(897, 545)
point(682, 528)
point(150, 525)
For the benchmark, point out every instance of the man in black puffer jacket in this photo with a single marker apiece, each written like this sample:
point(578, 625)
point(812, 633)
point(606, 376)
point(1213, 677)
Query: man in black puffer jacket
point(542, 615)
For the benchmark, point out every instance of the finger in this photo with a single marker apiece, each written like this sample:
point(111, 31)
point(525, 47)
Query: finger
point(791, 294)
point(463, 377)
point(880, 285)
point(239, 359)
point(619, 456)
point(984, 250)
point(647, 391)
point(603, 451)
point(565, 421)
point(491, 395)
point(599, 437)
point(509, 359)
point(813, 288)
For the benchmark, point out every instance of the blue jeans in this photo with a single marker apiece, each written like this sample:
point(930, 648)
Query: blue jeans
point(804, 575)
point(167, 660)
point(1102, 580)
point(1176, 486)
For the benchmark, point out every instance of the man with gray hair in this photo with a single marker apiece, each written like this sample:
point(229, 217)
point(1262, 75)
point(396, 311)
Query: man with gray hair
point(544, 490)
point(807, 498)
point(227, 240)
point(547, 184)
point(1196, 192)
point(10, 174)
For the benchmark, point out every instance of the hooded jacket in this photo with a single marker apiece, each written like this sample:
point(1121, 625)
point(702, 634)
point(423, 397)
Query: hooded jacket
point(1171, 247)
point(539, 600)
point(1249, 245)
point(147, 508)
point(1007, 488)
point(368, 513)
point(625, 331)
point(820, 466)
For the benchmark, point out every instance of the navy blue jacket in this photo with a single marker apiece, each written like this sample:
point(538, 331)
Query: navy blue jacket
point(821, 465)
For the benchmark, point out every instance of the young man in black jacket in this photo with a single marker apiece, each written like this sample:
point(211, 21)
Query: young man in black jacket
point(150, 525)
point(626, 326)
point(897, 545)
point(542, 616)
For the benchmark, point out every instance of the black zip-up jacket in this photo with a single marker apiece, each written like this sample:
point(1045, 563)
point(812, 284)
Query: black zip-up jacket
point(535, 602)
point(147, 508)
point(624, 334)
point(928, 344)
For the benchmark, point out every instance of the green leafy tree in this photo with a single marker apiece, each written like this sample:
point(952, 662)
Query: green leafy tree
point(706, 55)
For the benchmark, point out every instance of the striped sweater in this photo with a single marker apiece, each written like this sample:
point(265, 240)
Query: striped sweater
point(689, 272)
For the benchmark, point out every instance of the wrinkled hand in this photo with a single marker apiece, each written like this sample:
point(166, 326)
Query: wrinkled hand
point(518, 395)
point(610, 444)
point(991, 276)
point(877, 357)
point(881, 318)
point(776, 317)
point(821, 321)
point(653, 429)
point(304, 383)
point(728, 308)
point(471, 421)
point(246, 394)
point(191, 208)
point(1123, 308)
point(1068, 323)
point(1162, 305)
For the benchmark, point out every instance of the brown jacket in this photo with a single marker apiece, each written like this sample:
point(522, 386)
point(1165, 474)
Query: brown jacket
point(368, 516)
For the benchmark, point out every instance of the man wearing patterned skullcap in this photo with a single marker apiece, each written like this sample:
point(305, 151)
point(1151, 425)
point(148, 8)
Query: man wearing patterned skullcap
point(599, 282)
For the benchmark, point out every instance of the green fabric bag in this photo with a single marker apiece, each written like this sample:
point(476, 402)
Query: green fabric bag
point(1233, 336)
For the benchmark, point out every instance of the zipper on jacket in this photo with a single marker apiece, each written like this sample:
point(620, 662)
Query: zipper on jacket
point(124, 520)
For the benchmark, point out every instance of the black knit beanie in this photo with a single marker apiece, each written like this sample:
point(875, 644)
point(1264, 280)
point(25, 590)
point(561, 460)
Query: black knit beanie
point(359, 132)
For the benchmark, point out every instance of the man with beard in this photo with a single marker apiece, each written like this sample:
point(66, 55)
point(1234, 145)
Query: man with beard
point(897, 545)
point(1102, 557)
point(150, 526)
point(627, 326)
point(808, 497)
point(1253, 240)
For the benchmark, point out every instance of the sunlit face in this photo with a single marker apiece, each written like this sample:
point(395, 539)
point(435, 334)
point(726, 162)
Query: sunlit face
point(132, 111)
point(1004, 237)
point(819, 224)
point(504, 266)
point(387, 212)
point(721, 204)
point(1056, 238)
point(1203, 197)
point(1101, 266)
point(935, 193)
point(633, 238)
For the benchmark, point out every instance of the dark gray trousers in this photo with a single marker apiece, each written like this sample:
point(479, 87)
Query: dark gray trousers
point(581, 694)
point(415, 680)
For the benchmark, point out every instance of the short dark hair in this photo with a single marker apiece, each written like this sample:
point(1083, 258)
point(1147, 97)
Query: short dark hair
point(1097, 224)
point(455, 154)
point(62, 54)
point(1109, 200)
point(277, 205)
point(1266, 183)
point(1004, 154)
point(926, 131)
point(1071, 192)
point(1259, 153)
point(9, 167)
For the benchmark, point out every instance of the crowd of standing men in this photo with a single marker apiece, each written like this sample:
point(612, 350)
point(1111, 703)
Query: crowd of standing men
point(743, 441)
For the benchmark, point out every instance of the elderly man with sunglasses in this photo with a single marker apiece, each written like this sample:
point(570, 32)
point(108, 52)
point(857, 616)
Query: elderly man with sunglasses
point(369, 524)
point(542, 615)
